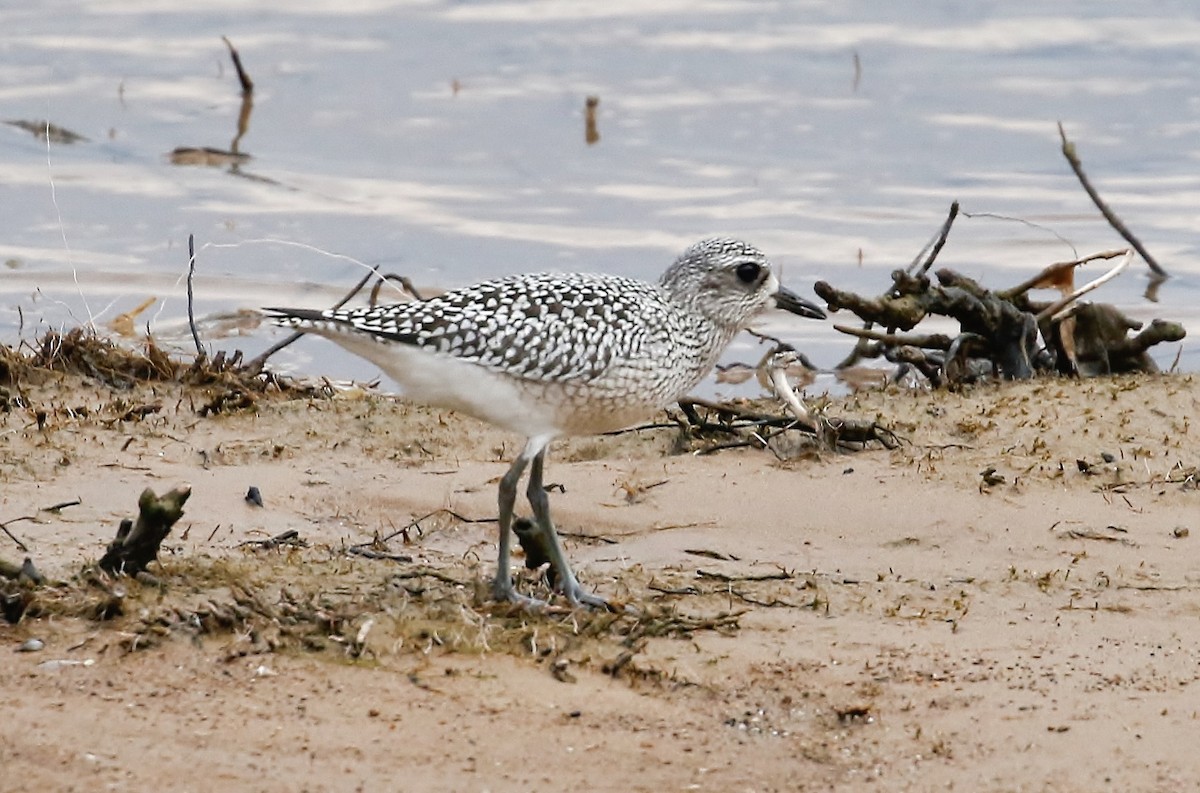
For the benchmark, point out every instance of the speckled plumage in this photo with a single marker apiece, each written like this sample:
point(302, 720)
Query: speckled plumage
point(553, 354)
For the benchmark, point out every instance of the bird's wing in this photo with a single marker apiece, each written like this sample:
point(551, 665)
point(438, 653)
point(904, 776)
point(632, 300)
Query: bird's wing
point(545, 327)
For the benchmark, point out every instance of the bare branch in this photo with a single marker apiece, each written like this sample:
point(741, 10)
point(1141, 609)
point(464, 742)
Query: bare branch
point(938, 242)
point(1050, 271)
point(1068, 150)
point(191, 308)
point(243, 78)
point(1058, 305)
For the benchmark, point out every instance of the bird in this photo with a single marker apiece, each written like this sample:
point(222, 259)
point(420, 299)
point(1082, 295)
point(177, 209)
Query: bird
point(547, 355)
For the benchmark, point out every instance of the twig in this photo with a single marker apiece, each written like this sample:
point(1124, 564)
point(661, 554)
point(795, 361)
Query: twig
point(923, 267)
point(416, 524)
point(1068, 150)
point(62, 505)
point(782, 575)
point(243, 78)
point(289, 537)
point(13, 537)
point(429, 572)
point(407, 284)
point(687, 590)
point(776, 370)
point(938, 243)
point(742, 444)
point(256, 363)
point(931, 341)
point(576, 535)
point(1058, 305)
point(771, 604)
point(259, 360)
point(191, 309)
point(1024, 222)
point(368, 553)
point(1092, 534)
point(659, 425)
point(1053, 270)
point(778, 342)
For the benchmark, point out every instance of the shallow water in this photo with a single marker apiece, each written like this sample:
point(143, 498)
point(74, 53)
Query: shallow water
point(446, 141)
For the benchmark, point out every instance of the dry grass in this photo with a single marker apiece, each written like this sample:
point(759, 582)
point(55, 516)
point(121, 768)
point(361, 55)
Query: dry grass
point(319, 600)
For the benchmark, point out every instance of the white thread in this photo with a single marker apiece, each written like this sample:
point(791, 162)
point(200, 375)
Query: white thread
point(63, 231)
point(305, 246)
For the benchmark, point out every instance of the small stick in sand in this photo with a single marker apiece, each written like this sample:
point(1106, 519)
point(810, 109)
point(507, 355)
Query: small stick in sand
point(191, 309)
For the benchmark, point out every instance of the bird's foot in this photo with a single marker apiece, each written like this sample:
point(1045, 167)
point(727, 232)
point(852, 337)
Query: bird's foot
point(576, 596)
point(504, 592)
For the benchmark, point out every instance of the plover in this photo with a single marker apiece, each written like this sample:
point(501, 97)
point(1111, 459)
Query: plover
point(553, 354)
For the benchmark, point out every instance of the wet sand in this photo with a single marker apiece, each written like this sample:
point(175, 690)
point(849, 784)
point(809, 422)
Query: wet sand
point(881, 620)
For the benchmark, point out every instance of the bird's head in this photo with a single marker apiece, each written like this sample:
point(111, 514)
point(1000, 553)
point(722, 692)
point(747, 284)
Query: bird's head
point(730, 282)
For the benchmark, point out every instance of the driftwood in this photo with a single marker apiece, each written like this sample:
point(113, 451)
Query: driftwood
point(830, 432)
point(536, 545)
point(1102, 346)
point(992, 326)
point(737, 427)
point(920, 265)
point(1000, 330)
point(137, 542)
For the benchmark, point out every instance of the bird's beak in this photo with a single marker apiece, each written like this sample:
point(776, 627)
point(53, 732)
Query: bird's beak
point(790, 301)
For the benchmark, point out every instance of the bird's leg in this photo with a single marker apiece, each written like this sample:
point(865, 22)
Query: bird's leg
point(502, 585)
point(540, 503)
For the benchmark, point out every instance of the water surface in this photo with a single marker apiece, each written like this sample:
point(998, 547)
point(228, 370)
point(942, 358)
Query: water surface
point(445, 141)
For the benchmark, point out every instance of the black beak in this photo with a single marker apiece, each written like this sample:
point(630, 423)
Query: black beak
point(790, 301)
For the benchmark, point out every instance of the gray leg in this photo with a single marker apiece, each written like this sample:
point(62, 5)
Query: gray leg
point(540, 503)
point(502, 586)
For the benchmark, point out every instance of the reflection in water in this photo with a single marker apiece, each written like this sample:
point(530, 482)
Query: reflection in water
point(51, 133)
point(124, 324)
point(207, 156)
point(233, 157)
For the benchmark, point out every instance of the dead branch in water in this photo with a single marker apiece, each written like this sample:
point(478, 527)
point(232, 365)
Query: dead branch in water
point(1000, 329)
point(1068, 150)
point(939, 242)
point(233, 157)
point(243, 78)
point(591, 134)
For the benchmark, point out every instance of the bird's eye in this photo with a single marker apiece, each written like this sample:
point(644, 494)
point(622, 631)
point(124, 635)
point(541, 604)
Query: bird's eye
point(748, 272)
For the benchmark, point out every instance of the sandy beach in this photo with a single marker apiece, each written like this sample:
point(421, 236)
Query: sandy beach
point(1004, 602)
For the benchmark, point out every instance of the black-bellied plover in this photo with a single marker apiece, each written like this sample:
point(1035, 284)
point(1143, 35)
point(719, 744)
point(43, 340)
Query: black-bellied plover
point(555, 354)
